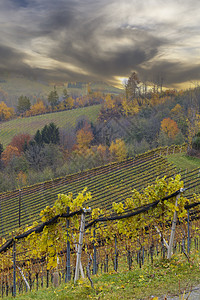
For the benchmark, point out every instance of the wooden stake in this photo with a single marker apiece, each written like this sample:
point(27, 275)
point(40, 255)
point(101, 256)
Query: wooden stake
point(171, 241)
point(80, 243)
point(160, 234)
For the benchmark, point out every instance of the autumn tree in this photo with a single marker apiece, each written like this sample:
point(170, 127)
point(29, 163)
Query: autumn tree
point(134, 98)
point(178, 115)
point(6, 112)
point(103, 153)
point(118, 150)
point(176, 112)
point(21, 179)
point(169, 127)
point(84, 136)
point(132, 86)
point(20, 140)
point(9, 153)
point(109, 102)
point(37, 109)
point(68, 102)
point(23, 104)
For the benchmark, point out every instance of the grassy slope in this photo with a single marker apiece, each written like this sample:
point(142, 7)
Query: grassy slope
point(183, 161)
point(63, 119)
point(163, 279)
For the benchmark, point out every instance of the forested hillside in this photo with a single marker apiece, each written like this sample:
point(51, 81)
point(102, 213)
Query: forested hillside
point(93, 129)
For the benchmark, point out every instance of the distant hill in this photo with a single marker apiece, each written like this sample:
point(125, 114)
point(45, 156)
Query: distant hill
point(63, 119)
point(12, 87)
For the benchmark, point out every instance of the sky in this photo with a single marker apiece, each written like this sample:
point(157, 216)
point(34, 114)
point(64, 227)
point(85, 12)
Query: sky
point(104, 40)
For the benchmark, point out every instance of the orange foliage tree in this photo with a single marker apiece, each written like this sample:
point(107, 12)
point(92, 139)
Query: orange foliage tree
point(118, 149)
point(6, 112)
point(109, 102)
point(36, 109)
point(20, 140)
point(169, 127)
point(176, 112)
point(84, 137)
point(21, 178)
point(9, 153)
point(102, 151)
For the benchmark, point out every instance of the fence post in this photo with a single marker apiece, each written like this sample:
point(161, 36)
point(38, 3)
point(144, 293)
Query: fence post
point(47, 278)
point(171, 241)
point(68, 274)
point(14, 269)
point(115, 261)
point(95, 254)
point(188, 226)
point(80, 243)
point(19, 207)
point(1, 217)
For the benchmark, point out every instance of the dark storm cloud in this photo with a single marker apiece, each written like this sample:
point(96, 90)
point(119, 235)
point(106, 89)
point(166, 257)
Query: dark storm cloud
point(21, 3)
point(92, 40)
point(11, 59)
point(172, 72)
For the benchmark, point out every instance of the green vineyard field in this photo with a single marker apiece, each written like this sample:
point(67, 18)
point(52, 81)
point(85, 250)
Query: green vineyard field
point(107, 184)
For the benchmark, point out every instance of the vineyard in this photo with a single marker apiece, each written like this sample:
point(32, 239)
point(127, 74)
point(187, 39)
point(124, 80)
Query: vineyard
point(113, 182)
point(30, 125)
point(132, 206)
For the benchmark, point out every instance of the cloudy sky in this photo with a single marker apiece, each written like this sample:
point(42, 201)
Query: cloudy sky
point(72, 40)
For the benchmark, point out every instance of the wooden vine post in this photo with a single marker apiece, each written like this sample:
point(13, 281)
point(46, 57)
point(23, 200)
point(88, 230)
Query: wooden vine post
point(80, 243)
point(95, 254)
point(171, 241)
point(68, 274)
point(14, 268)
point(20, 207)
point(188, 228)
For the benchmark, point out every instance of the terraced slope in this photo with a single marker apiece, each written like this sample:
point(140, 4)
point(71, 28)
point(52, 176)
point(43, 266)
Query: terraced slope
point(63, 119)
point(109, 183)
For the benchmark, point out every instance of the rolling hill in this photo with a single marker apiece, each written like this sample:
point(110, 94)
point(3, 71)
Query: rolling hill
point(107, 184)
point(63, 119)
point(12, 87)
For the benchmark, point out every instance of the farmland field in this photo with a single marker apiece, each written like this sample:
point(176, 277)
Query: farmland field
point(63, 119)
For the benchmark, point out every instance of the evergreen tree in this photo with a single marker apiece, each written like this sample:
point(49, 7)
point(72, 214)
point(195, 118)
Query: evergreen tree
point(53, 98)
point(1, 149)
point(23, 104)
point(50, 134)
point(38, 137)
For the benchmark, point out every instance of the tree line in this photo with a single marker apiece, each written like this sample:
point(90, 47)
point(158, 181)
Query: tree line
point(128, 124)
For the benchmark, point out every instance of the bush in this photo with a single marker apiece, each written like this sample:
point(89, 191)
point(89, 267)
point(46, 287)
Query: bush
point(196, 142)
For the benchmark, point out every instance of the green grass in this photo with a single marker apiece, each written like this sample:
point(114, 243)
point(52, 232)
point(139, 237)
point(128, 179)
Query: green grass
point(163, 279)
point(63, 119)
point(183, 161)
